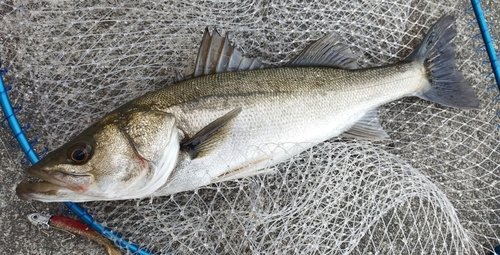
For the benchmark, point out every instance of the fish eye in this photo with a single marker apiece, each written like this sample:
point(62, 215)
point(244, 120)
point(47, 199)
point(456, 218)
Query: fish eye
point(79, 153)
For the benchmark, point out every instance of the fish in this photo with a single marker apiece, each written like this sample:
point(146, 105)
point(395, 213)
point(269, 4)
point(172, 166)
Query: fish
point(234, 118)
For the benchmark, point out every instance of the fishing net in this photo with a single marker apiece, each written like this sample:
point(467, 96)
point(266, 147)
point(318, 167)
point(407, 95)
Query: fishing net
point(431, 189)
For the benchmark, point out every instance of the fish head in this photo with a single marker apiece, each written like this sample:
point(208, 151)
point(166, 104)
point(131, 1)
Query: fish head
point(123, 156)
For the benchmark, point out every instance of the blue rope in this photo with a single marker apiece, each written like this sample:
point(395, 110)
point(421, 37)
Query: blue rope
point(25, 145)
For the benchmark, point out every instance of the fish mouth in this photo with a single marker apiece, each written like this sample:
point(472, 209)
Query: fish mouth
point(49, 183)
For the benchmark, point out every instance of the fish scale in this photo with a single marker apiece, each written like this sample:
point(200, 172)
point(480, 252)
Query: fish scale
point(325, 91)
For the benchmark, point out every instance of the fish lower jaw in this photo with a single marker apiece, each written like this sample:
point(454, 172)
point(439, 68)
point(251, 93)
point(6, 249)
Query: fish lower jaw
point(48, 191)
point(31, 190)
point(45, 191)
point(42, 186)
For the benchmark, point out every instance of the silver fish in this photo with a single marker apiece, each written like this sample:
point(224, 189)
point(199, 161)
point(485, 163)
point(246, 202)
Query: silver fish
point(233, 118)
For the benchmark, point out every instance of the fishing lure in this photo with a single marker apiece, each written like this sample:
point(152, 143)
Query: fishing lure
point(46, 221)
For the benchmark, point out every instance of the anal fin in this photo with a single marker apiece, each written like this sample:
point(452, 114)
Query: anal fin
point(367, 128)
point(211, 136)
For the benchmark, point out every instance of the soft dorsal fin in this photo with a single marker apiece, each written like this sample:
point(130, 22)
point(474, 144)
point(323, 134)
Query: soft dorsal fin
point(367, 128)
point(327, 51)
point(217, 55)
point(211, 136)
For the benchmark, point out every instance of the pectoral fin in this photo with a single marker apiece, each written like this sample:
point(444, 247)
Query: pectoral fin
point(367, 128)
point(211, 136)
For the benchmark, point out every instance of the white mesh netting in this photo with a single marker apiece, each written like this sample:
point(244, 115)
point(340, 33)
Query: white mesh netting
point(431, 189)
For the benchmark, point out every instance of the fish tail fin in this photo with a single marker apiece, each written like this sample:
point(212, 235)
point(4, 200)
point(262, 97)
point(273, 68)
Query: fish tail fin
point(437, 53)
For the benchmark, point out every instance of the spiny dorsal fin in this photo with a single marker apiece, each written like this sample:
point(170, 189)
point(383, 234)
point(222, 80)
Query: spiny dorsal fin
point(217, 55)
point(211, 136)
point(327, 51)
point(367, 128)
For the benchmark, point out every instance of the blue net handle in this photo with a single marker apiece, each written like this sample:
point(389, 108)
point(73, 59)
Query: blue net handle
point(25, 145)
point(488, 42)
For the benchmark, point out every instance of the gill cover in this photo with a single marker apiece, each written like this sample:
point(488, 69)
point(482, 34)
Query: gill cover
point(154, 138)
